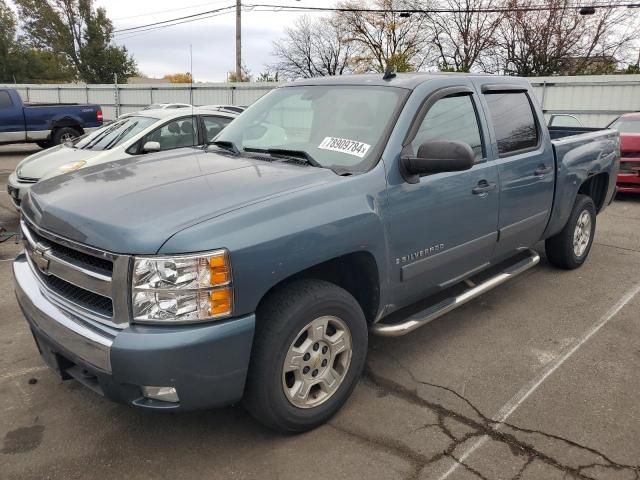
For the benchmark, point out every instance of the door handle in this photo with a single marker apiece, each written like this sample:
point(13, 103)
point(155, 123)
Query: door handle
point(542, 170)
point(483, 188)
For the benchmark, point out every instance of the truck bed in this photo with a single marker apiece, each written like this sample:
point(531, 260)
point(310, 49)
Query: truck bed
point(581, 153)
point(562, 132)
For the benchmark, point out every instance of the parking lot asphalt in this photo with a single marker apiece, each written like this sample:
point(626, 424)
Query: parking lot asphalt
point(538, 379)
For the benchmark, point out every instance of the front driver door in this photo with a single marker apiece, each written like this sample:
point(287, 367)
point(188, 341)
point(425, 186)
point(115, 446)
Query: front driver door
point(444, 227)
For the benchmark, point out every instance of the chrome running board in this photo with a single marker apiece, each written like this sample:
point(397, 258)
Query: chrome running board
point(425, 316)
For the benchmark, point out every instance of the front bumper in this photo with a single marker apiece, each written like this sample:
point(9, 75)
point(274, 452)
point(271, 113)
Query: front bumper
point(207, 364)
point(17, 190)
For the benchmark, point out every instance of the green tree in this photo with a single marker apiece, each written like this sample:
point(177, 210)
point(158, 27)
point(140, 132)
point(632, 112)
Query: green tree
point(7, 42)
point(22, 63)
point(80, 32)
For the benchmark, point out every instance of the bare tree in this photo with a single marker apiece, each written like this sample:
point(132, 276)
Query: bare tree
point(389, 38)
point(465, 38)
point(313, 49)
point(558, 40)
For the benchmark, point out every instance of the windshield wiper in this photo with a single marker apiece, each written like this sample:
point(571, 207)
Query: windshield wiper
point(285, 152)
point(225, 145)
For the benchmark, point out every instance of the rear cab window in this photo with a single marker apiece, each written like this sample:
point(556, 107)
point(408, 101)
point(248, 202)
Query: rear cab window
point(5, 100)
point(514, 122)
point(626, 125)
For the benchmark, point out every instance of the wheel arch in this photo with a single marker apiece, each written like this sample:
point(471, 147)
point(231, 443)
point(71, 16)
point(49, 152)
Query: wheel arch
point(356, 272)
point(596, 187)
point(66, 122)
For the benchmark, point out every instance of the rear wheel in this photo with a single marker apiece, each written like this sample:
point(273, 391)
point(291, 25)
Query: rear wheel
point(309, 351)
point(569, 248)
point(63, 135)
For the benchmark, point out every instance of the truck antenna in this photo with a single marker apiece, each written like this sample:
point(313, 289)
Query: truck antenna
point(389, 73)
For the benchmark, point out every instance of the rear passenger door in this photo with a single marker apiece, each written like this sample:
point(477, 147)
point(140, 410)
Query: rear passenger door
point(525, 163)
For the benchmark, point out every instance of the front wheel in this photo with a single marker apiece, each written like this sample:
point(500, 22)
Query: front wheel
point(309, 351)
point(569, 248)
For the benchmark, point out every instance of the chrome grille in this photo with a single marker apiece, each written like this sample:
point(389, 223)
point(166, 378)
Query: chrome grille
point(83, 280)
point(78, 296)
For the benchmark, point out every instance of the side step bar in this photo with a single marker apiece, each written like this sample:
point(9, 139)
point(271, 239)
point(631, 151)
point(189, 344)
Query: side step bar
point(425, 316)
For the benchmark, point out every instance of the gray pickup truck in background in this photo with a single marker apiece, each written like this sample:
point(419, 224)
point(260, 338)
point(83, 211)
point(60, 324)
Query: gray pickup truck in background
point(255, 267)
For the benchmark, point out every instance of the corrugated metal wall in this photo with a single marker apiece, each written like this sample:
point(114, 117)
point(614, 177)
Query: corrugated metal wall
point(131, 98)
point(595, 100)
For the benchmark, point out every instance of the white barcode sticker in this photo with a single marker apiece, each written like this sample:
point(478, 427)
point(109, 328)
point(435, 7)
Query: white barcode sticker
point(344, 145)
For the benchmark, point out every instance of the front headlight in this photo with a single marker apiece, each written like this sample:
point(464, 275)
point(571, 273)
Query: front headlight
point(72, 166)
point(182, 289)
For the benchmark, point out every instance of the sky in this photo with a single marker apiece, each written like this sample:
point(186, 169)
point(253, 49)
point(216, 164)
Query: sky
point(163, 51)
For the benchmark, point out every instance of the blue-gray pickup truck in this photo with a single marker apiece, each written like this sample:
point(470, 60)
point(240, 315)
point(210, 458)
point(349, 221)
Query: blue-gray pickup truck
point(254, 268)
point(46, 124)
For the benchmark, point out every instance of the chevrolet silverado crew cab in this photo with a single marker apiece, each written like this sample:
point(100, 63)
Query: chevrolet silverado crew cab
point(255, 267)
point(46, 124)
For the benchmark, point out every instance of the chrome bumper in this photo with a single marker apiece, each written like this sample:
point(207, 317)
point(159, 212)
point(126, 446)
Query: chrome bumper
point(65, 330)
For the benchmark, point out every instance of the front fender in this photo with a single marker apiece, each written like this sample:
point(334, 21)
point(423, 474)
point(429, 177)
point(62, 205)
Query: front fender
point(273, 240)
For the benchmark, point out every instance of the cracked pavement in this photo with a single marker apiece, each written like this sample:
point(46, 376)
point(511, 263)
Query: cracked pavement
point(428, 407)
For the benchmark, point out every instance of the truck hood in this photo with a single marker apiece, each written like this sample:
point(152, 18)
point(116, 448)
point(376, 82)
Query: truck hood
point(47, 162)
point(133, 206)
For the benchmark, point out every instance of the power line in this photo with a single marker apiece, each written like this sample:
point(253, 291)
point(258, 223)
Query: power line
point(146, 31)
point(293, 8)
point(193, 16)
point(150, 14)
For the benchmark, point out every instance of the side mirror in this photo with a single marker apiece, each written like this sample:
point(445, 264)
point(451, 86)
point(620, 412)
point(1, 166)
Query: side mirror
point(151, 147)
point(435, 157)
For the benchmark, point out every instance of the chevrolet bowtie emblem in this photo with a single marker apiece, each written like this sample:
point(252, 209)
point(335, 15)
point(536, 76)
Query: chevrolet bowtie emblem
point(39, 257)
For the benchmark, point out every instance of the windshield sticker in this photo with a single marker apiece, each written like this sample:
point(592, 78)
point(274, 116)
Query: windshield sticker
point(343, 145)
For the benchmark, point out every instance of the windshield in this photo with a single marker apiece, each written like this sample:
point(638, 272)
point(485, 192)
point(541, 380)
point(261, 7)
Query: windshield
point(338, 126)
point(626, 125)
point(153, 106)
point(115, 133)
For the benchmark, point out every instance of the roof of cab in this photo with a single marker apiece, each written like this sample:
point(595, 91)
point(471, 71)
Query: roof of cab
point(401, 80)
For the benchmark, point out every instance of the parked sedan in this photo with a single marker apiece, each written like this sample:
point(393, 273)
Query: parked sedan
point(629, 175)
point(144, 132)
point(157, 106)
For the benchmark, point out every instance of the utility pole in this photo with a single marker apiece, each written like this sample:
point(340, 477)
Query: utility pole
point(238, 41)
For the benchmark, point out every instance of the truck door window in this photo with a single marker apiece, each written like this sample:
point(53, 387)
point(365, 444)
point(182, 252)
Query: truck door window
point(513, 122)
point(5, 100)
point(451, 118)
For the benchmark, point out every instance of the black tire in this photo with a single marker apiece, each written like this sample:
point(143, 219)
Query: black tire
point(44, 144)
point(560, 248)
point(63, 134)
point(280, 321)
